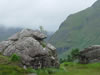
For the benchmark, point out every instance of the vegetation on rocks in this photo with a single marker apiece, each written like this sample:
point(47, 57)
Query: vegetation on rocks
point(15, 58)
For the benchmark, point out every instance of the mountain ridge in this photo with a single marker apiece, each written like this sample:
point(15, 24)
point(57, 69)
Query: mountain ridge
point(79, 30)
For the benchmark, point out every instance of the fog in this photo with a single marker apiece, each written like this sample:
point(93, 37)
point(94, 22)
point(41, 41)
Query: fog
point(35, 13)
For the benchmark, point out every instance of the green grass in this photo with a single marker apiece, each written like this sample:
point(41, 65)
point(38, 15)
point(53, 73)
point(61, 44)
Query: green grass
point(72, 69)
point(81, 69)
point(11, 70)
point(51, 71)
point(7, 67)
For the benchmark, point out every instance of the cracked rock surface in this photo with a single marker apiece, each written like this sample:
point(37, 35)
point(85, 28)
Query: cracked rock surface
point(29, 45)
point(90, 54)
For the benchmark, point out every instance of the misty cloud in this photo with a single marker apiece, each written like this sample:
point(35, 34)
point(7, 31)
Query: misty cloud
point(33, 13)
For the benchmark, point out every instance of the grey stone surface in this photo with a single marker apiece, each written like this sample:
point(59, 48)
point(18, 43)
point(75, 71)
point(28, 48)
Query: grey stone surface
point(27, 44)
point(90, 54)
point(51, 47)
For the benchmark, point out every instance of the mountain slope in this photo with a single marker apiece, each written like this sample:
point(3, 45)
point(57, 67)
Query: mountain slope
point(79, 30)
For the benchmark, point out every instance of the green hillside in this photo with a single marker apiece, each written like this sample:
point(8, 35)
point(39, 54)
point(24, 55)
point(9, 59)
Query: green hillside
point(79, 30)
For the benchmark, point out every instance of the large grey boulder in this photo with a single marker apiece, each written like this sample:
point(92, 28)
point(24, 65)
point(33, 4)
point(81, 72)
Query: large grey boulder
point(28, 33)
point(29, 45)
point(90, 54)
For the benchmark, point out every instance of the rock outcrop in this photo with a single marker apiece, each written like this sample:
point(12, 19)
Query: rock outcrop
point(90, 54)
point(29, 45)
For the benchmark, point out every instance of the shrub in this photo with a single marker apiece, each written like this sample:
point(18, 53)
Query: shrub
point(69, 58)
point(15, 58)
point(62, 60)
point(73, 55)
point(43, 44)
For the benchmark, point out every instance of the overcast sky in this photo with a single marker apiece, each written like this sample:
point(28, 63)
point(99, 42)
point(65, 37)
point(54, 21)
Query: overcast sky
point(33, 13)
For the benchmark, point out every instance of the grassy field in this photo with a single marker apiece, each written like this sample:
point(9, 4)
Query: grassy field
point(80, 69)
point(73, 69)
point(7, 67)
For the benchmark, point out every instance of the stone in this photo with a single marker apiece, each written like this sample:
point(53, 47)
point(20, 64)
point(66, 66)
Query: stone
point(14, 37)
point(90, 54)
point(32, 33)
point(4, 45)
point(51, 47)
point(28, 44)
